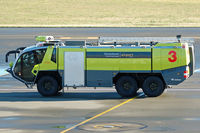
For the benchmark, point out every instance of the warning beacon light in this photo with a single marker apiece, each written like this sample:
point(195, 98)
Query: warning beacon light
point(44, 38)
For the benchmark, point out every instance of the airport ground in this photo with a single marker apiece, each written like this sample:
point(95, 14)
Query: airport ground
point(23, 110)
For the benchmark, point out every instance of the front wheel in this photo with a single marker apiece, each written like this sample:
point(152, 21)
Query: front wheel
point(126, 86)
point(47, 86)
point(153, 86)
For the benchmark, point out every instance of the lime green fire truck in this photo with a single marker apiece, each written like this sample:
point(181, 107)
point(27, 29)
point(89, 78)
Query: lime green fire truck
point(127, 63)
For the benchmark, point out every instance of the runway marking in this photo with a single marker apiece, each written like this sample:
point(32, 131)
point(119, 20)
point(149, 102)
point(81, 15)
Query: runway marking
point(89, 38)
point(100, 114)
point(196, 37)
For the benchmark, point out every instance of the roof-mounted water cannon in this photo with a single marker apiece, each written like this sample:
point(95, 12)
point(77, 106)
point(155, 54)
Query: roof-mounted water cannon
point(178, 38)
point(44, 38)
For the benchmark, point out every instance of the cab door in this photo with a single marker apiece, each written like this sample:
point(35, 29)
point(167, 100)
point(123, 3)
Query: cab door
point(25, 64)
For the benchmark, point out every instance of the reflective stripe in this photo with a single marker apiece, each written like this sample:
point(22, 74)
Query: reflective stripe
point(123, 47)
point(118, 54)
point(167, 47)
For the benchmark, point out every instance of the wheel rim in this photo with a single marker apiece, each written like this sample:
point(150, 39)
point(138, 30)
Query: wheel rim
point(47, 85)
point(127, 85)
point(153, 86)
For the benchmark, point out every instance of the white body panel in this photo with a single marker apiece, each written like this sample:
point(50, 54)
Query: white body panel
point(74, 74)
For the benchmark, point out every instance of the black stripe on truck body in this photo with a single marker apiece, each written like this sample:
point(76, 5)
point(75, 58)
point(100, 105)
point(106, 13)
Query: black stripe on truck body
point(118, 54)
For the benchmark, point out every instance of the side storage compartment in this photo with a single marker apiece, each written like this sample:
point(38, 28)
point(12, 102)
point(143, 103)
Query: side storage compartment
point(74, 71)
point(99, 78)
point(71, 66)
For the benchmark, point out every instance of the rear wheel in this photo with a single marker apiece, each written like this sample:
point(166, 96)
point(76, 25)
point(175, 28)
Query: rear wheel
point(126, 86)
point(47, 86)
point(153, 86)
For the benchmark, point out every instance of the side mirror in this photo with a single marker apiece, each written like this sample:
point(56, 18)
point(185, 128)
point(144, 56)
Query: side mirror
point(11, 52)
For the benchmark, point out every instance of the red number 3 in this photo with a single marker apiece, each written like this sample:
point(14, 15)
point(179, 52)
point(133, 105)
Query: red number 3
point(174, 57)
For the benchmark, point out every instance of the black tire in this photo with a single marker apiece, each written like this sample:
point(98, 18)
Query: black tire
point(126, 86)
point(153, 86)
point(47, 86)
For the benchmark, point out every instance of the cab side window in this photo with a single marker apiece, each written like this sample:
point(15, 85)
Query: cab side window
point(27, 63)
point(53, 57)
point(39, 55)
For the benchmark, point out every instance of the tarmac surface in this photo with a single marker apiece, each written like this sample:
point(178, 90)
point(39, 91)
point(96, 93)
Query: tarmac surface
point(98, 110)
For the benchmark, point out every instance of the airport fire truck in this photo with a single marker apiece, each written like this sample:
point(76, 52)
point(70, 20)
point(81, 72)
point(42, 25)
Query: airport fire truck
point(128, 63)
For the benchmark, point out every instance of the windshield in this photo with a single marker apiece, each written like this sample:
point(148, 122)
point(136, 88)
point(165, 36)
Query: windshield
point(26, 62)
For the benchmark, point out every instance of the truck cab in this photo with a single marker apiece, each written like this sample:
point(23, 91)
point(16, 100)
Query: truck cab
point(22, 69)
